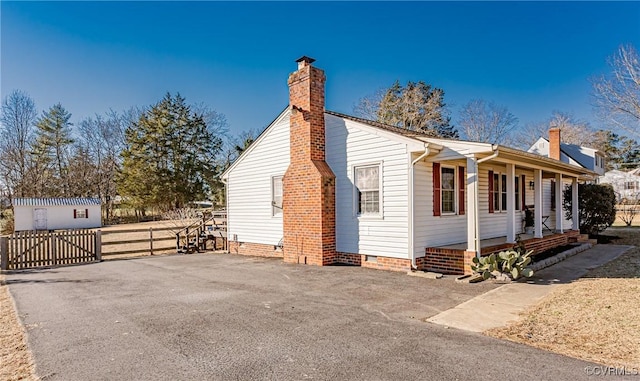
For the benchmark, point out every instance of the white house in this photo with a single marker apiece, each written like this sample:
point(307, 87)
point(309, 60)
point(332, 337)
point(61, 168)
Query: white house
point(626, 185)
point(320, 187)
point(56, 213)
point(588, 158)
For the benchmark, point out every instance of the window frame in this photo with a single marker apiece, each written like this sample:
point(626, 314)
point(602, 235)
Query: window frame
point(516, 193)
point(454, 190)
point(274, 207)
point(503, 192)
point(356, 191)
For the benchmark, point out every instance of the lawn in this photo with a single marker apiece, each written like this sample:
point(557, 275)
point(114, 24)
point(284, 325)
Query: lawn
point(595, 318)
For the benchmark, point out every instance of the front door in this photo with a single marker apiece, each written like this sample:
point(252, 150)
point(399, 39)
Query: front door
point(40, 219)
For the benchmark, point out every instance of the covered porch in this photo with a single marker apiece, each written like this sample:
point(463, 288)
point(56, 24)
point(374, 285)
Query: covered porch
point(498, 187)
point(456, 259)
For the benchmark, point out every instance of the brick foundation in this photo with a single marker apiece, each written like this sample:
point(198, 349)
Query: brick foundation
point(458, 261)
point(255, 249)
point(374, 262)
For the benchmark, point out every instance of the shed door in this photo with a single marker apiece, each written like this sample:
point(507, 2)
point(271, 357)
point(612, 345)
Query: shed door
point(40, 219)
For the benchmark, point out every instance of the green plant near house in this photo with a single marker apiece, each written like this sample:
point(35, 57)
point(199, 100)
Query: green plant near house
point(508, 264)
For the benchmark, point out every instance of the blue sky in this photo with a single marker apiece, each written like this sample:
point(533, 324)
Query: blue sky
point(533, 58)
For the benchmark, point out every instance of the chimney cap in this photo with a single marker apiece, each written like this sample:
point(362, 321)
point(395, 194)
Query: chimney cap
point(305, 61)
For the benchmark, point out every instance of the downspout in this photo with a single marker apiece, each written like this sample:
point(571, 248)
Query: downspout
point(476, 212)
point(412, 253)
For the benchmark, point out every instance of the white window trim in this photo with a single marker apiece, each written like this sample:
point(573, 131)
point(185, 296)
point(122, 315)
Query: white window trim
point(380, 214)
point(273, 214)
point(455, 191)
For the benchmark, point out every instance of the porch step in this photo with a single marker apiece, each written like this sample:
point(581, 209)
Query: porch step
point(579, 238)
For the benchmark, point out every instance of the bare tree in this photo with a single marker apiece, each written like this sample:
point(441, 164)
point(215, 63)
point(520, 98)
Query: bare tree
point(367, 107)
point(573, 131)
point(417, 106)
point(18, 118)
point(617, 94)
point(628, 209)
point(486, 122)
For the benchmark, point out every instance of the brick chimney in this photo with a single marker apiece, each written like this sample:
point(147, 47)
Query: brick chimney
point(309, 183)
point(554, 143)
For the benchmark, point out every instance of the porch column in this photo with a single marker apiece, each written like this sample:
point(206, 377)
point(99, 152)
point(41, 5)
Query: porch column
point(559, 203)
point(511, 203)
point(575, 208)
point(472, 206)
point(537, 201)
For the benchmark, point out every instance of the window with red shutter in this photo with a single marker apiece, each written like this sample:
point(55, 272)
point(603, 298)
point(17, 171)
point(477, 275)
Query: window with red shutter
point(461, 186)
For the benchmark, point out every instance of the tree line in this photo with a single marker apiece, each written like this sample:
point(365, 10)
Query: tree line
point(172, 153)
point(163, 156)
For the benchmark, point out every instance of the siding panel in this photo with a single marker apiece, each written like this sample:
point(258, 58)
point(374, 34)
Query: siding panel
point(349, 146)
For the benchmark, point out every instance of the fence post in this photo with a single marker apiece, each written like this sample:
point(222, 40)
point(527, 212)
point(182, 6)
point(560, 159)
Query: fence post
point(151, 240)
point(99, 245)
point(4, 253)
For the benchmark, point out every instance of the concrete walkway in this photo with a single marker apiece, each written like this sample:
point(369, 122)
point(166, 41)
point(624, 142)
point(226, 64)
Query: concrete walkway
point(504, 304)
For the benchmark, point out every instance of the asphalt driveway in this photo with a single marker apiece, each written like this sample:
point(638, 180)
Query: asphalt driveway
point(226, 317)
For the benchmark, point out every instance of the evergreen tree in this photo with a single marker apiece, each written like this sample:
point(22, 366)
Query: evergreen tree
point(417, 107)
point(169, 158)
point(51, 148)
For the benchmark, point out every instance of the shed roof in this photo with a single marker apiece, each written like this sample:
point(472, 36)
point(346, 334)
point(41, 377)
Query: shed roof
point(55, 201)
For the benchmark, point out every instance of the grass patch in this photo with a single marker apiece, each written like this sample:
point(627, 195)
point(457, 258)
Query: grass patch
point(595, 318)
point(16, 362)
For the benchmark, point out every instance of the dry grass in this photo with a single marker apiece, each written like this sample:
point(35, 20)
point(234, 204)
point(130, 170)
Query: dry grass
point(15, 358)
point(595, 318)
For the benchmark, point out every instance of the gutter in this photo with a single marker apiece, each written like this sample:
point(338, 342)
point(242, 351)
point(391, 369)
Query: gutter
point(412, 253)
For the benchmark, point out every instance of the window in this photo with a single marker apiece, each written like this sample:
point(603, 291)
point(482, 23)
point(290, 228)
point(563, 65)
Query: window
point(80, 213)
point(503, 192)
point(367, 180)
point(496, 191)
point(630, 185)
point(517, 192)
point(276, 196)
point(448, 190)
point(553, 195)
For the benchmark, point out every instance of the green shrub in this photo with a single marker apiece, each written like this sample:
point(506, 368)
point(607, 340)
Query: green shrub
point(597, 204)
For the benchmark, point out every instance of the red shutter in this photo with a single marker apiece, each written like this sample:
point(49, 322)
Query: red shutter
point(491, 206)
point(86, 213)
point(462, 183)
point(74, 213)
point(436, 189)
point(523, 192)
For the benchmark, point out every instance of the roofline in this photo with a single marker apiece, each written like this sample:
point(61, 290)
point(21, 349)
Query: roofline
point(253, 144)
point(548, 161)
point(569, 156)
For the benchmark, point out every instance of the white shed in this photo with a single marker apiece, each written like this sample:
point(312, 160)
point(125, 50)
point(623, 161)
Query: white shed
point(56, 213)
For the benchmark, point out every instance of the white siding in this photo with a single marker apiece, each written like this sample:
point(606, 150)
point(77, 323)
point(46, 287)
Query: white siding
point(349, 145)
point(58, 217)
point(249, 187)
point(549, 210)
point(433, 231)
point(430, 230)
